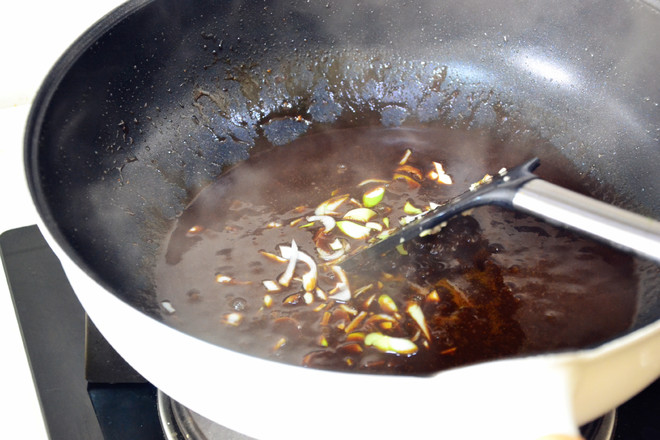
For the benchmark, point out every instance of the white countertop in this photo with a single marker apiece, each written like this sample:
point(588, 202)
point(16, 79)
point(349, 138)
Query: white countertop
point(33, 34)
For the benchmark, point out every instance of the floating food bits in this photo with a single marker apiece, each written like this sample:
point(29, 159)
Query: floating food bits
point(355, 323)
point(411, 170)
point(439, 175)
point(429, 304)
point(268, 301)
point(411, 209)
point(329, 207)
point(369, 181)
point(342, 291)
point(484, 180)
point(327, 221)
point(360, 214)
point(271, 286)
point(387, 304)
point(354, 230)
point(405, 157)
point(279, 344)
point(390, 344)
point(168, 307)
point(373, 197)
point(194, 230)
point(292, 253)
point(233, 319)
point(292, 257)
point(412, 183)
point(273, 257)
point(226, 279)
point(415, 312)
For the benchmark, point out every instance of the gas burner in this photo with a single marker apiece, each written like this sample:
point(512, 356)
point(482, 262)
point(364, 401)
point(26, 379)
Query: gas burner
point(181, 423)
point(600, 429)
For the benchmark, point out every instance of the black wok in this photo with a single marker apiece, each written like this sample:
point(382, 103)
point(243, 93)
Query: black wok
point(158, 98)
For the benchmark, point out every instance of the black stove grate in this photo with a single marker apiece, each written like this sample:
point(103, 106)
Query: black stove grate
point(53, 326)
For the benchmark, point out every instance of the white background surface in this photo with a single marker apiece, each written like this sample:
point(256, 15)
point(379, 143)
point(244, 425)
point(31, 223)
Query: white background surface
point(33, 34)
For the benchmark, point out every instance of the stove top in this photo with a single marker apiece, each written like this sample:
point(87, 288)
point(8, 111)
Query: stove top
point(88, 392)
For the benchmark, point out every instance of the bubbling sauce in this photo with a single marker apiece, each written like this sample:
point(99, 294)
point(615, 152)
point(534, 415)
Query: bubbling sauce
point(490, 284)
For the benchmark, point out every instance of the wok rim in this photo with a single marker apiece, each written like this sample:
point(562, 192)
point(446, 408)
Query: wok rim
point(57, 240)
point(40, 107)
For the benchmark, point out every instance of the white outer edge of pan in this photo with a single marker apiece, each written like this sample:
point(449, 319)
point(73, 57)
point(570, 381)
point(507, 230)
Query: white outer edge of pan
point(523, 398)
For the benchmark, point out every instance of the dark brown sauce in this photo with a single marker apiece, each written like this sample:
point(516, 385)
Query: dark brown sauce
point(491, 284)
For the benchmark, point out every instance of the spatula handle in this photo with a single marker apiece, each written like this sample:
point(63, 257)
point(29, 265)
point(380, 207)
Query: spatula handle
point(618, 227)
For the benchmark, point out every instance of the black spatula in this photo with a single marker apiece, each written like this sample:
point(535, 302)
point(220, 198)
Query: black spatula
point(521, 190)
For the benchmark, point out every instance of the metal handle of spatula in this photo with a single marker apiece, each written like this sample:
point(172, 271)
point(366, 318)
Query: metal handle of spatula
point(620, 228)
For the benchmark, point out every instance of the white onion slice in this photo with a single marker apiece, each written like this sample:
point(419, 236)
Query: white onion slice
point(169, 308)
point(439, 174)
point(340, 247)
point(353, 230)
point(415, 311)
point(343, 289)
point(271, 285)
point(233, 319)
point(360, 214)
point(405, 157)
point(330, 256)
point(343, 294)
point(339, 244)
point(309, 278)
point(292, 256)
point(273, 257)
point(375, 226)
point(330, 205)
point(328, 222)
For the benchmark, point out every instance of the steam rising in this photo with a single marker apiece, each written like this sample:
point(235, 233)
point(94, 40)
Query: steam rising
point(260, 80)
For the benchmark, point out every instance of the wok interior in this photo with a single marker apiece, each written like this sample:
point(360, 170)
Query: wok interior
point(162, 97)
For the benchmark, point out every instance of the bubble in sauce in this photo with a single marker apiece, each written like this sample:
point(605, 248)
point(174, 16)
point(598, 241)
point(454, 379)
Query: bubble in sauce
point(239, 304)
